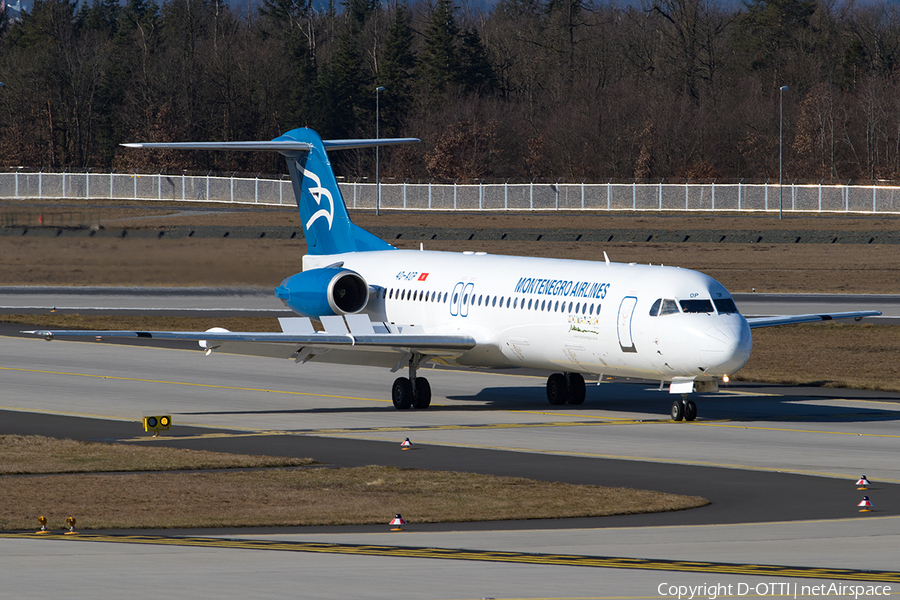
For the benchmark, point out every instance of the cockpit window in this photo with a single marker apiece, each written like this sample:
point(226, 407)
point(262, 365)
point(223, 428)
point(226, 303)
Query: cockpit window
point(725, 306)
point(696, 306)
point(662, 307)
point(669, 307)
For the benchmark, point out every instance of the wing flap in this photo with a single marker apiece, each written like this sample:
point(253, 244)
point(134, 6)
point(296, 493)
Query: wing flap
point(755, 322)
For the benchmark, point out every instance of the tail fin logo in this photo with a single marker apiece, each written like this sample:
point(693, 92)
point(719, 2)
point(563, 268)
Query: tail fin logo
point(317, 193)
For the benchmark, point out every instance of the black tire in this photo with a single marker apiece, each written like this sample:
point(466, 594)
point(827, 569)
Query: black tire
point(575, 388)
point(690, 411)
point(557, 392)
point(677, 410)
point(402, 393)
point(422, 397)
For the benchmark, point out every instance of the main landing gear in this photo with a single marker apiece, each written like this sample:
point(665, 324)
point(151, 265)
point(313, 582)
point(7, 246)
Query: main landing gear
point(684, 409)
point(565, 387)
point(412, 392)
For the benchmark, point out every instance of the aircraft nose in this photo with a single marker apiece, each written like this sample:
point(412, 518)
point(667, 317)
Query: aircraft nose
point(728, 346)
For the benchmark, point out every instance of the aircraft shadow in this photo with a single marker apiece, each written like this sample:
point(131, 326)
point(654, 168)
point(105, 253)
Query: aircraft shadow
point(786, 404)
point(778, 403)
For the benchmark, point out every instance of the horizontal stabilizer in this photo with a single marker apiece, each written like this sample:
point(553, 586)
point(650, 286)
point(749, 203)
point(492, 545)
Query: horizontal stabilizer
point(347, 144)
point(270, 146)
point(276, 145)
point(755, 322)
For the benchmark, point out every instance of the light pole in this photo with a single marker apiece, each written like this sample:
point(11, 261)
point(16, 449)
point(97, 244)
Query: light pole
point(378, 91)
point(780, 148)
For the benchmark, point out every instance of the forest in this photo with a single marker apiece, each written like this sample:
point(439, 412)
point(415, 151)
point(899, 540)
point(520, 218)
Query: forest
point(531, 90)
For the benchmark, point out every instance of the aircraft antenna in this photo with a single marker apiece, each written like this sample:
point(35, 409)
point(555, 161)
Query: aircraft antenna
point(606, 257)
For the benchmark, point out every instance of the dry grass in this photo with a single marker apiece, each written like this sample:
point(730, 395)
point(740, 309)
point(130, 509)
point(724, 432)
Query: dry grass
point(844, 268)
point(833, 355)
point(271, 495)
point(38, 454)
point(307, 497)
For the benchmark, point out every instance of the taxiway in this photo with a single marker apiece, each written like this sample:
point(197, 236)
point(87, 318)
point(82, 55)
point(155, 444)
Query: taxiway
point(777, 463)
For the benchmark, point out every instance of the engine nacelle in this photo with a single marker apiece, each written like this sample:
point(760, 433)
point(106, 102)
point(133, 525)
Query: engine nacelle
point(327, 291)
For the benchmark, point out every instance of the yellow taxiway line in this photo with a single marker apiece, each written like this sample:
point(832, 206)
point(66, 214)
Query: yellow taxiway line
point(570, 560)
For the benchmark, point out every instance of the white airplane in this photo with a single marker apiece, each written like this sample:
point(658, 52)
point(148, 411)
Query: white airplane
point(400, 309)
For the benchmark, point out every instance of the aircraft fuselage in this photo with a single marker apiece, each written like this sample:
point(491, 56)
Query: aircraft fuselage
point(569, 315)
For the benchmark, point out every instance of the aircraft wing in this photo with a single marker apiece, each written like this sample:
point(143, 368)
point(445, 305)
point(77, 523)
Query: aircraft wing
point(364, 343)
point(793, 319)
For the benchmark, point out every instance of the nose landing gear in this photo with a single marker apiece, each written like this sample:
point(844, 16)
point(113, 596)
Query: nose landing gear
point(684, 409)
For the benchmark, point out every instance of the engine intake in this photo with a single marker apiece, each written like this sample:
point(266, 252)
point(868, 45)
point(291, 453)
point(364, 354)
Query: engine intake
point(327, 291)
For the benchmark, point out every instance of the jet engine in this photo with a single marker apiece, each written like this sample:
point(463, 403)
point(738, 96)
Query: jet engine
point(327, 291)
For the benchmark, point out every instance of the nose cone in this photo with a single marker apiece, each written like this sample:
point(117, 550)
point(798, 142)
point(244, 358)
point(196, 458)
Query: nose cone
point(727, 346)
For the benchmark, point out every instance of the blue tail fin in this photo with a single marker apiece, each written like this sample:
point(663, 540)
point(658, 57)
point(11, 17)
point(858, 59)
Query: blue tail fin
point(327, 225)
point(328, 228)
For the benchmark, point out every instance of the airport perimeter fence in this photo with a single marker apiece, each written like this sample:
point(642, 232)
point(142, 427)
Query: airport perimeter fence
point(749, 197)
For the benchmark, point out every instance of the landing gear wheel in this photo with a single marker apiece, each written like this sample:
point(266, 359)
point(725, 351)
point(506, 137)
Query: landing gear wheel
point(575, 388)
point(422, 397)
point(677, 410)
point(402, 393)
point(690, 411)
point(557, 391)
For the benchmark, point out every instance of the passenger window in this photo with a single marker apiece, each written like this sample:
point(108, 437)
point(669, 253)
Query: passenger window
point(570, 307)
point(669, 307)
point(515, 303)
point(654, 310)
point(529, 305)
point(494, 302)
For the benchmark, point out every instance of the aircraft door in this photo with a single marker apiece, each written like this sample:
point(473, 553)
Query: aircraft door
point(467, 294)
point(626, 312)
point(456, 298)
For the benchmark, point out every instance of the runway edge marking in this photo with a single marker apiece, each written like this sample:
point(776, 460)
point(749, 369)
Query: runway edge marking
point(571, 560)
